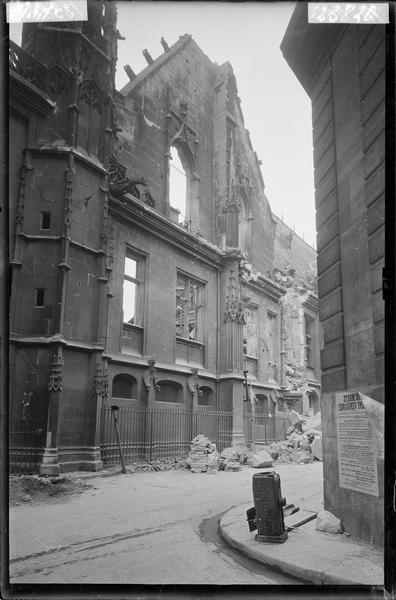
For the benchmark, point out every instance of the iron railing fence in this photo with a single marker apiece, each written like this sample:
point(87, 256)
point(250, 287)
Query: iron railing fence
point(25, 451)
point(160, 433)
point(265, 429)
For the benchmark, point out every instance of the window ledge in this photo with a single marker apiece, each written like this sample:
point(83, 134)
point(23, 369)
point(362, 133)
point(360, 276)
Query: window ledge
point(249, 357)
point(188, 342)
point(132, 327)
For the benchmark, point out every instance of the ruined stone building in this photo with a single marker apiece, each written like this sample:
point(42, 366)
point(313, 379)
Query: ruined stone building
point(148, 270)
point(342, 69)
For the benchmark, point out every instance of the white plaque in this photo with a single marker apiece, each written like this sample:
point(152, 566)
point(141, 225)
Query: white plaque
point(356, 446)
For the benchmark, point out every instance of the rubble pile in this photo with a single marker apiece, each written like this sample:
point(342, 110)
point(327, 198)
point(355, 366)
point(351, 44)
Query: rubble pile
point(303, 443)
point(233, 457)
point(295, 377)
point(203, 457)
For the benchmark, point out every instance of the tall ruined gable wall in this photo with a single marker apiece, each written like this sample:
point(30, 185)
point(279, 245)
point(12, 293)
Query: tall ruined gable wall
point(152, 115)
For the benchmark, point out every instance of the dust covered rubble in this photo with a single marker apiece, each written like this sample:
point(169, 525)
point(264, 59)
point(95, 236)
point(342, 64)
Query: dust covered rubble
point(303, 443)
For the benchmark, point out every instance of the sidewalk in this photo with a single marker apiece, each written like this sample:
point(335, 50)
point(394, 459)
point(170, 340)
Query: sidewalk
point(311, 555)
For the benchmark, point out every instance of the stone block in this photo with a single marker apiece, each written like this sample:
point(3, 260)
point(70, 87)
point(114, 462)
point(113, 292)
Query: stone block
point(326, 208)
point(329, 281)
point(323, 164)
point(323, 96)
point(329, 255)
point(326, 521)
point(262, 460)
point(378, 306)
point(333, 328)
point(327, 232)
point(376, 278)
point(374, 66)
point(323, 143)
point(330, 305)
point(373, 98)
point(334, 380)
point(322, 121)
point(324, 188)
point(368, 45)
point(375, 184)
point(375, 155)
point(376, 245)
point(374, 126)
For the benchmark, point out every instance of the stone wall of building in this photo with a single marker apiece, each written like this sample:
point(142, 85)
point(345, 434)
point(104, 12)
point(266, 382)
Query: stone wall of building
point(347, 89)
point(115, 300)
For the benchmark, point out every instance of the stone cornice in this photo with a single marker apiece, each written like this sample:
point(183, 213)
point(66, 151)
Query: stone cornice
point(144, 217)
point(36, 340)
point(266, 286)
point(29, 95)
point(53, 149)
point(140, 361)
point(311, 302)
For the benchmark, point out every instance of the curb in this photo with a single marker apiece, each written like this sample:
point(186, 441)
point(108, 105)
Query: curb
point(348, 564)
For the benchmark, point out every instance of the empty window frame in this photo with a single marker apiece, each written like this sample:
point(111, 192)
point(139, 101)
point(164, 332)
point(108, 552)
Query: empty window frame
point(250, 333)
point(189, 308)
point(177, 186)
point(309, 340)
point(133, 293)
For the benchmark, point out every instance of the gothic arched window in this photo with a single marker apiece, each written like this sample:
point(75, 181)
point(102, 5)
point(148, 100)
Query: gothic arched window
point(177, 187)
point(183, 185)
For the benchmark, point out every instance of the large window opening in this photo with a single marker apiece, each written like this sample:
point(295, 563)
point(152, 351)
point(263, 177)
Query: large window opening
point(177, 188)
point(133, 301)
point(189, 308)
point(309, 340)
point(250, 333)
point(245, 228)
point(124, 386)
point(169, 391)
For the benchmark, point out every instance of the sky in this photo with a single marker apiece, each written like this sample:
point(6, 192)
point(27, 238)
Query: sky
point(276, 109)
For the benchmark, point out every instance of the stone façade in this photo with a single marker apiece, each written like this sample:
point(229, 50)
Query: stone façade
point(89, 183)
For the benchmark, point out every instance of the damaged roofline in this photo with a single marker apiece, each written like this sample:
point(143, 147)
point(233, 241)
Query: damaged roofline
point(159, 61)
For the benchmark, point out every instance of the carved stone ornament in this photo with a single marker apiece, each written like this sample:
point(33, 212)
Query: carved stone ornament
point(108, 240)
point(101, 381)
point(233, 203)
point(56, 376)
point(121, 184)
point(150, 377)
point(192, 381)
point(234, 308)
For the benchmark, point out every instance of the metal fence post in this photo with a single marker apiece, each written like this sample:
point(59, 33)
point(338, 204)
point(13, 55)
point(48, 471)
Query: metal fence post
point(114, 412)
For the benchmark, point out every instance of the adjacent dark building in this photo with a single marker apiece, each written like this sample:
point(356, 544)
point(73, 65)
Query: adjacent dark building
point(127, 291)
point(342, 69)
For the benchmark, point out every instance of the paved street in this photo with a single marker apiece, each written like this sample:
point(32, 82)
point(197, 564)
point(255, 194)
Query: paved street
point(147, 528)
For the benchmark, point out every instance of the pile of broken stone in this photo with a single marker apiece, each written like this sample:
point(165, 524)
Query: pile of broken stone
point(303, 444)
point(203, 457)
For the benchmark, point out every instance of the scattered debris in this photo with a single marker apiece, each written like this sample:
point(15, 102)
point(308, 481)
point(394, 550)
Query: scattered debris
point(233, 457)
point(203, 456)
point(262, 459)
point(302, 445)
point(328, 522)
point(40, 488)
